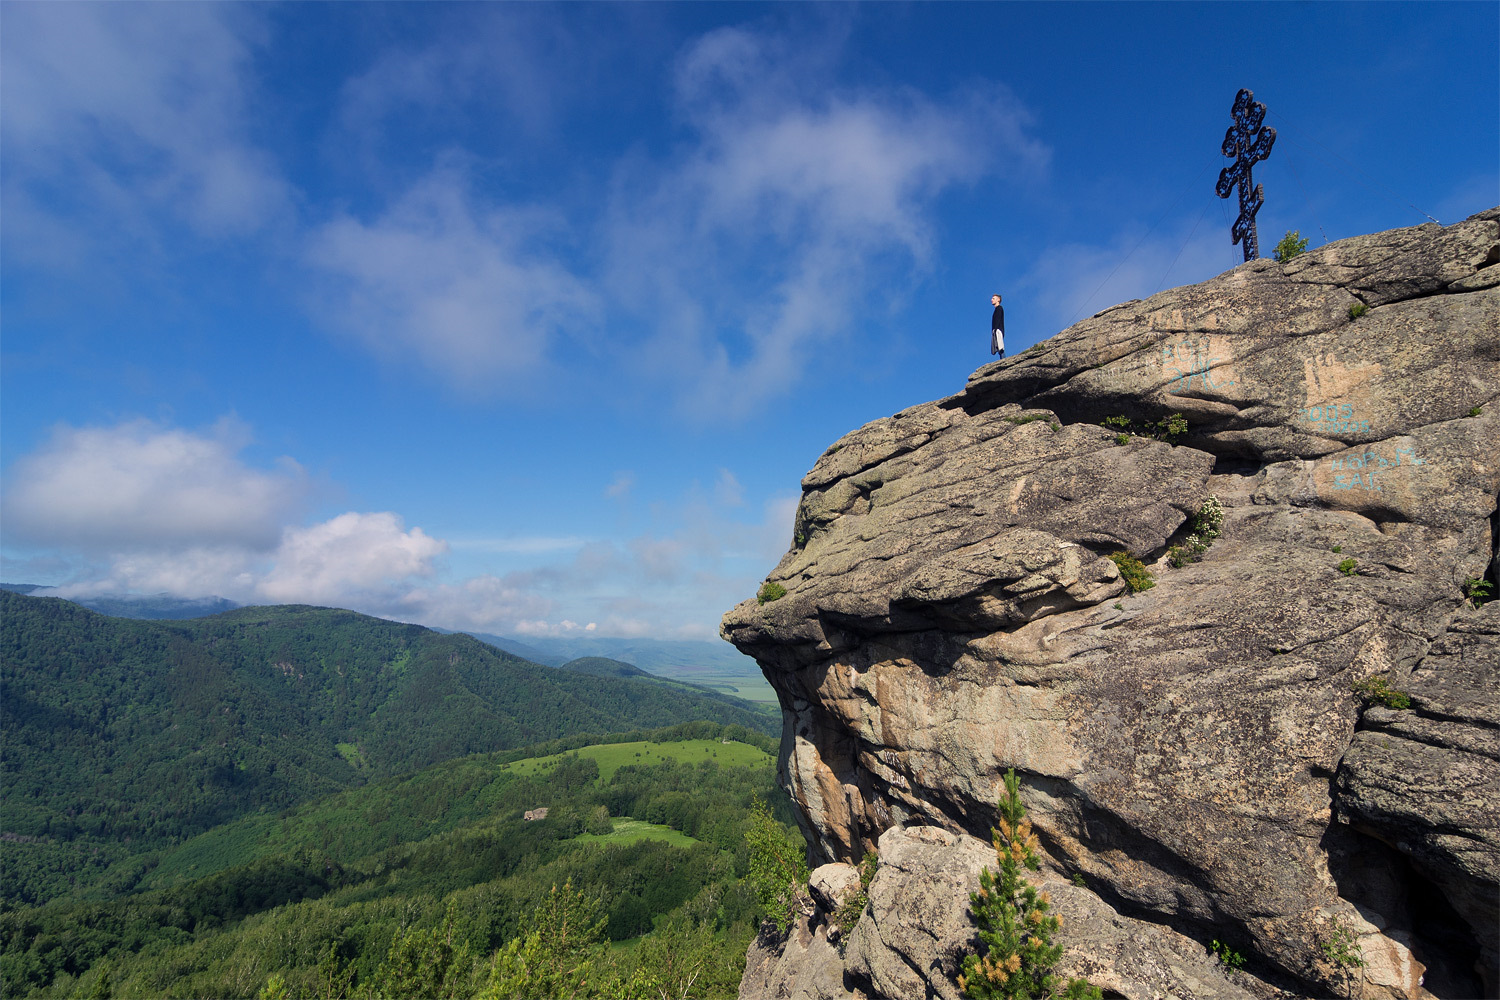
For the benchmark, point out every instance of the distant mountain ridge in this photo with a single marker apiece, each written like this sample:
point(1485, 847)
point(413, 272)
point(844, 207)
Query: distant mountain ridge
point(157, 607)
point(643, 653)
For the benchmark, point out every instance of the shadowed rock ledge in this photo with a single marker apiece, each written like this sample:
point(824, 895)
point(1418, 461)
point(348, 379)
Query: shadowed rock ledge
point(1194, 752)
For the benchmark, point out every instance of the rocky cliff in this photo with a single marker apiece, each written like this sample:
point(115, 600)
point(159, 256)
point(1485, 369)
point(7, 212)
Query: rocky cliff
point(1195, 756)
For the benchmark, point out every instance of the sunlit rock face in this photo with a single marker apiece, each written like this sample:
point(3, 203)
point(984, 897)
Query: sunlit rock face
point(1194, 751)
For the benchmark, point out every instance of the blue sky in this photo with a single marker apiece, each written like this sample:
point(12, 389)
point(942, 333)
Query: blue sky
point(529, 318)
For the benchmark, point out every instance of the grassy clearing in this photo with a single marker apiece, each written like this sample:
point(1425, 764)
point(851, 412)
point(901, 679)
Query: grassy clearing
point(612, 756)
point(630, 831)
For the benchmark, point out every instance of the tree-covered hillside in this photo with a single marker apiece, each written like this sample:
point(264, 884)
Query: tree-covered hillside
point(436, 884)
point(141, 733)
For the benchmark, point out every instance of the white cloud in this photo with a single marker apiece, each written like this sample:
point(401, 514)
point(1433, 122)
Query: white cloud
point(346, 557)
point(756, 249)
point(508, 58)
point(545, 628)
point(471, 292)
point(140, 484)
point(115, 112)
point(141, 508)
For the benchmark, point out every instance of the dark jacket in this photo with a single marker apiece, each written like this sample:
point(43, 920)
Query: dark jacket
point(997, 322)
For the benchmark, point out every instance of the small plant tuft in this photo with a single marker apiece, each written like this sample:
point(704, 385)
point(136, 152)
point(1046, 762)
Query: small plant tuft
point(1208, 523)
point(1348, 566)
point(1357, 310)
point(1476, 411)
point(1137, 577)
point(1337, 548)
point(853, 905)
point(1079, 881)
point(1373, 690)
point(1232, 960)
point(1293, 244)
point(1341, 946)
point(1122, 439)
point(1168, 428)
point(770, 592)
point(1479, 592)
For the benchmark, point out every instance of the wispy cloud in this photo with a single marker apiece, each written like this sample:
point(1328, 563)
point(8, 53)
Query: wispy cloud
point(119, 116)
point(519, 544)
point(758, 247)
point(472, 291)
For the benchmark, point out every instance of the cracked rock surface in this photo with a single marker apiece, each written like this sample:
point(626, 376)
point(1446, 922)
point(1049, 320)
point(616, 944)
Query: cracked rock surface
point(1195, 750)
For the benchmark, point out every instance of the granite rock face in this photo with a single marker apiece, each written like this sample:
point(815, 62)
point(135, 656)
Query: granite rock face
point(1194, 751)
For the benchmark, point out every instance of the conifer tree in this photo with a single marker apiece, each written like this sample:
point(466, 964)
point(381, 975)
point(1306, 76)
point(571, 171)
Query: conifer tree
point(1016, 953)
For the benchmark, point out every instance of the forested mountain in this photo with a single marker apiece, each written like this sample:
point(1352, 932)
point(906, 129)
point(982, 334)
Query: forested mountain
point(145, 732)
point(603, 666)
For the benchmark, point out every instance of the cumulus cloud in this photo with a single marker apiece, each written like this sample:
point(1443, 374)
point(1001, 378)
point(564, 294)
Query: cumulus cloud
point(143, 508)
point(350, 555)
point(470, 291)
point(119, 112)
point(141, 484)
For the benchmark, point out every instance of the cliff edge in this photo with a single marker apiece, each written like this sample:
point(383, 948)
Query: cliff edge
point(1194, 754)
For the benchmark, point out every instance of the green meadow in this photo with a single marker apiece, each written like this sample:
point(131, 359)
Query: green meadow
point(612, 756)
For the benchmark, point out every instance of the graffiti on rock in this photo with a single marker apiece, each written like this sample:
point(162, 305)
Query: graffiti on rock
point(1363, 471)
point(1188, 360)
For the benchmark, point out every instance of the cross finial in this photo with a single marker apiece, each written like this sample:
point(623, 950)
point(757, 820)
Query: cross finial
point(1248, 143)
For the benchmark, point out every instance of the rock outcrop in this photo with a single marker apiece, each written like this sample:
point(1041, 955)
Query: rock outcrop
point(1194, 752)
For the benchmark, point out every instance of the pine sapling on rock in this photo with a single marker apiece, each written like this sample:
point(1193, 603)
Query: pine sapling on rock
point(1016, 953)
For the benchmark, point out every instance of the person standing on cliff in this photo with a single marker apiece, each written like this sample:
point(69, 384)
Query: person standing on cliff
point(997, 327)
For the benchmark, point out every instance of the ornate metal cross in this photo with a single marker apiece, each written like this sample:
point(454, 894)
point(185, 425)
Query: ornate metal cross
point(1248, 143)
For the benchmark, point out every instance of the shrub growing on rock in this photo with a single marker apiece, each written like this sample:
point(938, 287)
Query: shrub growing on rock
point(770, 592)
point(1016, 953)
point(1373, 690)
point(778, 867)
point(1137, 576)
point(853, 905)
point(1291, 245)
point(1208, 523)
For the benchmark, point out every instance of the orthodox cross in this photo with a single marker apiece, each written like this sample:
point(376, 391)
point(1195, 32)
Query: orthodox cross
point(1248, 143)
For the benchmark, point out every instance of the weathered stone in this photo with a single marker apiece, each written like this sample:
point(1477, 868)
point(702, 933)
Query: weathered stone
point(911, 940)
point(830, 883)
point(951, 612)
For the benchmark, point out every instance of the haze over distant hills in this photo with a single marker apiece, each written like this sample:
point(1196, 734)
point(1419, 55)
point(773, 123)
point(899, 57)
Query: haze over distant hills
point(148, 606)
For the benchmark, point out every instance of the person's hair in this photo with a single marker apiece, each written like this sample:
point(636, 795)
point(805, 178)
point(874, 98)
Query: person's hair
point(996, 295)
